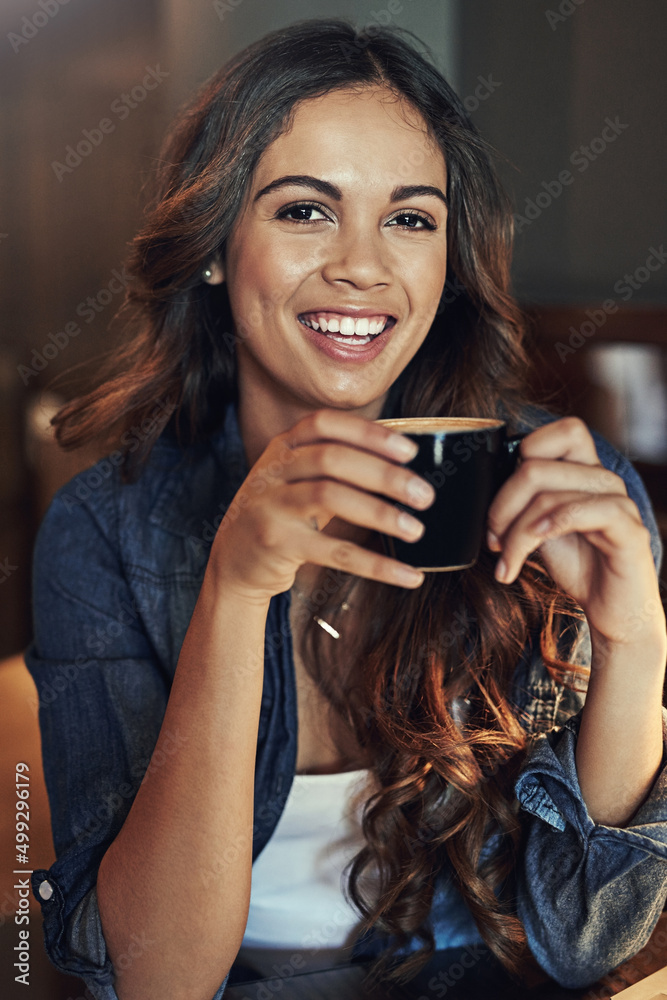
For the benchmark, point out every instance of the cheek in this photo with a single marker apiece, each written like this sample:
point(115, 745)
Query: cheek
point(425, 281)
point(434, 276)
point(249, 282)
point(436, 288)
point(290, 260)
point(274, 268)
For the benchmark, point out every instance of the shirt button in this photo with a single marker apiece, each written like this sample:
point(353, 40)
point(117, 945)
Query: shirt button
point(45, 890)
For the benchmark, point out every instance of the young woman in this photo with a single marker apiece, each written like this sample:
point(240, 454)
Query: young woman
point(214, 615)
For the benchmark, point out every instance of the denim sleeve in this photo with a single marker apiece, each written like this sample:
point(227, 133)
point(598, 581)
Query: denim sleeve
point(589, 895)
point(618, 463)
point(102, 697)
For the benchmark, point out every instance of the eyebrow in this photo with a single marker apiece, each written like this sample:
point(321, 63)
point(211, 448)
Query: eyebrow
point(331, 191)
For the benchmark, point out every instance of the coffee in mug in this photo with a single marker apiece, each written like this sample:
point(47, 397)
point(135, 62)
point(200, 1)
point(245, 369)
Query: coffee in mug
point(466, 460)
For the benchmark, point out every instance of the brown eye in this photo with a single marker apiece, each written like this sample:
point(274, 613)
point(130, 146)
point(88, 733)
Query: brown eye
point(412, 220)
point(301, 213)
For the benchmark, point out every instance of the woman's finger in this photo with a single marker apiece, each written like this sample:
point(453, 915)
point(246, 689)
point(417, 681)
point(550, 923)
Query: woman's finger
point(540, 475)
point(360, 469)
point(338, 425)
point(568, 439)
point(610, 522)
point(336, 553)
point(322, 499)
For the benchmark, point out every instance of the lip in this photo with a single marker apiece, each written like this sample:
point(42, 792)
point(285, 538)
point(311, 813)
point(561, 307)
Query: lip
point(349, 352)
point(355, 311)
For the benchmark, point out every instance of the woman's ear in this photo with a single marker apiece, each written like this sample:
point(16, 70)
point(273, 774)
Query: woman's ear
point(213, 272)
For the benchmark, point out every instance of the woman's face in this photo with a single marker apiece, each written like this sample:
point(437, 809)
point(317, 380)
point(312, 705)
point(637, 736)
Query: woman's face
point(343, 229)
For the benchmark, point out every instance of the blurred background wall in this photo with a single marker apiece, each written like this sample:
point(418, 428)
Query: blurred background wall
point(570, 93)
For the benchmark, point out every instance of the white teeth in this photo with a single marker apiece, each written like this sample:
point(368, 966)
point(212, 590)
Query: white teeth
point(347, 326)
point(351, 340)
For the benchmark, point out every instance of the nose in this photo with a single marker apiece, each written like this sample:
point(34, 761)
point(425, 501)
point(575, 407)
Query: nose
point(356, 256)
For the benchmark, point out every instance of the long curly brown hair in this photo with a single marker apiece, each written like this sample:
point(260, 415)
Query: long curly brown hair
point(398, 703)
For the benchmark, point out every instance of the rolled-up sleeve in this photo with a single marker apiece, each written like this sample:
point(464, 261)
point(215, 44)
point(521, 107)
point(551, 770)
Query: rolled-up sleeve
point(102, 698)
point(588, 895)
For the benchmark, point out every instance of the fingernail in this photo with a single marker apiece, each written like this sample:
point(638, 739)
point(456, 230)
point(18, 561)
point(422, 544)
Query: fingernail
point(501, 570)
point(419, 492)
point(543, 527)
point(403, 447)
point(492, 541)
point(409, 526)
point(408, 577)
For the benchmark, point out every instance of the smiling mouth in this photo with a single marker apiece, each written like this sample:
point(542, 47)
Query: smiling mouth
point(346, 329)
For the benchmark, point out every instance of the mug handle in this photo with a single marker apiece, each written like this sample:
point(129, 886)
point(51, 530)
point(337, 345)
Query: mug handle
point(511, 445)
point(510, 458)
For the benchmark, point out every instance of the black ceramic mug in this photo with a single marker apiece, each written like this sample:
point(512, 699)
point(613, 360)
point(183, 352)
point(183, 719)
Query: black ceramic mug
point(466, 460)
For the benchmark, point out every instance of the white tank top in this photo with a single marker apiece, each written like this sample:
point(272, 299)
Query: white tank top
point(297, 902)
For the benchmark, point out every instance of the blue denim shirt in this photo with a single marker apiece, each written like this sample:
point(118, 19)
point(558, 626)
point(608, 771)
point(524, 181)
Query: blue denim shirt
point(118, 568)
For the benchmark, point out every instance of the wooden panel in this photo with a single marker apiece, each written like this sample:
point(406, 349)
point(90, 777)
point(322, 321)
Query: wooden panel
point(638, 325)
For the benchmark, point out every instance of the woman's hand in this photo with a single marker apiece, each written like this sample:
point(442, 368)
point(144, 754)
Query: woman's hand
point(330, 464)
point(562, 502)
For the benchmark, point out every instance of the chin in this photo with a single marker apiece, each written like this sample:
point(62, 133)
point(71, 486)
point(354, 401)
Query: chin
point(351, 401)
